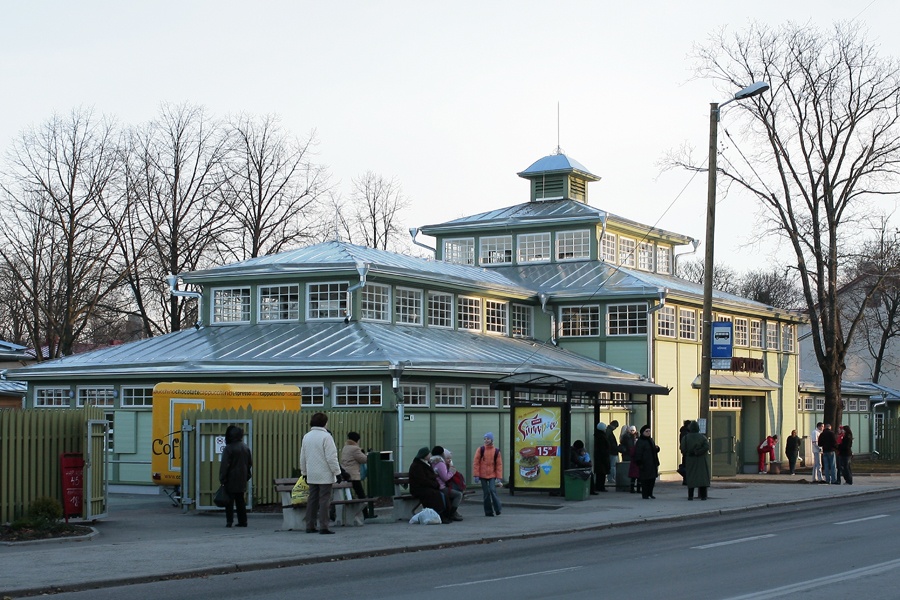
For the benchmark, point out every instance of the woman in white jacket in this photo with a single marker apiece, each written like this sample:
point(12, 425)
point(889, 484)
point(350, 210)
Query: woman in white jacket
point(319, 465)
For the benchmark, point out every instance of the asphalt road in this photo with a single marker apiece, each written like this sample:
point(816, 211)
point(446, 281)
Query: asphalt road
point(835, 548)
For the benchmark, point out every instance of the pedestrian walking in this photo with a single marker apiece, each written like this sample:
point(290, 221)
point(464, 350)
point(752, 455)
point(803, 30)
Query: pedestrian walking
point(319, 464)
point(695, 448)
point(234, 473)
point(487, 468)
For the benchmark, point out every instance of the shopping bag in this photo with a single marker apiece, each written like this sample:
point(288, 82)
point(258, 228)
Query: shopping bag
point(221, 499)
point(300, 493)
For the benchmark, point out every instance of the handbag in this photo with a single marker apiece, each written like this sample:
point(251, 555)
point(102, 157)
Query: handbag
point(363, 471)
point(221, 499)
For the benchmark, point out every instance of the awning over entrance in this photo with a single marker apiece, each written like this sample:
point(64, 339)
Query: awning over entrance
point(738, 383)
point(581, 384)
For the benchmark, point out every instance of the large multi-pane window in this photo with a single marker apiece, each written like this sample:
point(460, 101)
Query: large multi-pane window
point(312, 394)
point(520, 320)
point(496, 250)
point(52, 397)
point(741, 332)
point(440, 309)
point(608, 248)
point(279, 302)
point(414, 394)
point(787, 337)
point(137, 397)
point(645, 256)
point(468, 313)
point(495, 316)
point(357, 394)
point(755, 334)
point(408, 306)
point(533, 247)
point(375, 302)
point(771, 336)
point(626, 319)
point(578, 321)
point(326, 300)
point(626, 252)
point(687, 323)
point(664, 260)
point(449, 395)
point(96, 396)
point(231, 305)
point(665, 322)
point(481, 396)
point(571, 245)
point(460, 251)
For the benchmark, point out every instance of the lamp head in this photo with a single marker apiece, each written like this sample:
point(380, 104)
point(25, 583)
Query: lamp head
point(754, 89)
point(172, 280)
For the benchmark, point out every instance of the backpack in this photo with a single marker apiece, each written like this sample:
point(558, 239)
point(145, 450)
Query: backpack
point(496, 454)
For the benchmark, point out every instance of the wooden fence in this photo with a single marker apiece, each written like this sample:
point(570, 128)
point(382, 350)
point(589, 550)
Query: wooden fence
point(887, 441)
point(31, 442)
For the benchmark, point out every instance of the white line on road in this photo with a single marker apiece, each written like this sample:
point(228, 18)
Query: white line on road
point(862, 519)
point(738, 541)
point(805, 586)
point(553, 572)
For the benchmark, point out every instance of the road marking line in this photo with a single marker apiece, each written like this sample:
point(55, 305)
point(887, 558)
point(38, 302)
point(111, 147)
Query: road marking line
point(729, 542)
point(553, 572)
point(805, 586)
point(862, 519)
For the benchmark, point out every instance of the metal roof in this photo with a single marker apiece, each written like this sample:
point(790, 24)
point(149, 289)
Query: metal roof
point(726, 381)
point(554, 383)
point(557, 163)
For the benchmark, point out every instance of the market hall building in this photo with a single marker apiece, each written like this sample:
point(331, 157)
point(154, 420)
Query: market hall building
point(551, 286)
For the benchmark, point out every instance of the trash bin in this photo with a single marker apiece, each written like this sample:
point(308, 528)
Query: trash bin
point(380, 477)
point(577, 483)
point(623, 481)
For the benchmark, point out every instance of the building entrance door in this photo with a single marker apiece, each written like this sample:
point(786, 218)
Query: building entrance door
point(724, 443)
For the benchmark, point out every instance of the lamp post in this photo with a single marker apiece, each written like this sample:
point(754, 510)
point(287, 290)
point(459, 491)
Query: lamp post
point(396, 370)
point(706, 343)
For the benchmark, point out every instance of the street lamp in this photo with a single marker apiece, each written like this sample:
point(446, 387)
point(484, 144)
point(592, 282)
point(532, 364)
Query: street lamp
point(396, 370)
point(706, 347)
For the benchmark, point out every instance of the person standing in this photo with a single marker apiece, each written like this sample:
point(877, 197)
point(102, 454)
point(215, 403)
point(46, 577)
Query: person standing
point(646, 455)
point(627, 439)
point(601, 449)
point(817, 476)
point(828, 444)
point(694, 448)
point(319, 464)
point(487, 468)
point(613, 442)
point(767, 446)
point(352, 459)
point(234, 473)
point(792, 449)
point(845, 454)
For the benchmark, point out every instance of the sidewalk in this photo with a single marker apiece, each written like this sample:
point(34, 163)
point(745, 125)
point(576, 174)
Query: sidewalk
point(145, 538)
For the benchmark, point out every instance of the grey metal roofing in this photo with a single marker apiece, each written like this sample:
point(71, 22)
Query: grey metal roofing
point(11, 351)
point(302, 349)
point(811, 383)
point(557, 163)
point(880, 392)
point(13, 388)
point(738, 382)
point(342, 257)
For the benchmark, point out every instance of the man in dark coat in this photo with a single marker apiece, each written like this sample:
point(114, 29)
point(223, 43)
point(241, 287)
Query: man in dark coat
point(234, 473)
point(613, 442)
point(694, 448)
point(646, 455)
point(601, 450)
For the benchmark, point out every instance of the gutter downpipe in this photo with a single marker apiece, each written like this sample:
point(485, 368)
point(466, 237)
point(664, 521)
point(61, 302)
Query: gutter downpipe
point(663, 292)
point(695, 244)
point(413, 232)
point(544, 298)
point(363, 270)
point(602, 233)
point(173, 281)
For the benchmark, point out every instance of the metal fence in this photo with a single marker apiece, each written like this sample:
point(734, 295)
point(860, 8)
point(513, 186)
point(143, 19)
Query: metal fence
point(31, 442)
point(887, 440)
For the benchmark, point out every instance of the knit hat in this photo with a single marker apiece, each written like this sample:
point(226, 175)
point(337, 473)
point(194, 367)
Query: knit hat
point(644, 428)
point(437, 451)
point(601, 426)
point(422, 453)
point(353, 436)
point(489, 436)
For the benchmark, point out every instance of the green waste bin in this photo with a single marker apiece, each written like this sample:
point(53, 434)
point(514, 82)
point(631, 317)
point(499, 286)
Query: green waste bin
point(380, 477)
point(577, 483)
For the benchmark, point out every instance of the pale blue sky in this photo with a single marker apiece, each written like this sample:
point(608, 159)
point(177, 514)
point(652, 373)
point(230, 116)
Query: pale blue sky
point(451, 99)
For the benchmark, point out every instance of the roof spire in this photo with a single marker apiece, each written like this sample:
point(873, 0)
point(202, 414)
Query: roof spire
point(559, 149)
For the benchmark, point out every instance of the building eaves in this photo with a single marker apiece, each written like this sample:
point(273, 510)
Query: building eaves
point(527, 214)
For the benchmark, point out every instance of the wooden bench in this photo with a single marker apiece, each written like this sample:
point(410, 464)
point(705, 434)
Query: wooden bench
point(405, 504)
point(348, 511)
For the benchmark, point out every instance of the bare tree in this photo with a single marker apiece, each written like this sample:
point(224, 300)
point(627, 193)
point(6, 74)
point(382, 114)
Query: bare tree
point(371, 217)
point(822, 145)
point(272, 187)
point(60, 202)
point(725, 279)
point(774, 287)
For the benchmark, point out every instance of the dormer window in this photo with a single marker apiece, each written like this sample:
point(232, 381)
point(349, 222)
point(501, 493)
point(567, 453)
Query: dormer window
point(573, 245)
point(231, 305)
point(533, 247)
point(664, 260)
point(279, 302)
point(645, 256)
point(626, 252)
point(326, 300)
point(460, 251)
point(496, 250)
point(608, 248)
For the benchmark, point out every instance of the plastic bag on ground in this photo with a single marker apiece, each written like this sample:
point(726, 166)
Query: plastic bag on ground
point(427, 516)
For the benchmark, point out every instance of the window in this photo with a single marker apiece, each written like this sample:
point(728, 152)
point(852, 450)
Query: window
point(326, 300)
point(96, 396)
point(375, 302)
point(863, 405)
point(853, 405)
point(787, 337)
point(357, 394)
point(481, 396)
point(414, 394)
point(626, 251)
point(809, 403)
point(468, 313)
point(408, 306)
point(520, 320)
point(449, 395)
point(460, 251)
point(579, 321)
point(533, 247)
point(571, 245)
point(645, 256)
point(664, 260)
point(612, 399)
point(495, 316)
point(608, 248)
point(440, 309)
point(496, 250)
point(771, 336)
point(231, 305)
point(279, 302)
point(687, 323)
point(312, 394)
point(137, 397)
point(110, 430)
point(724, 318)
point(52, 397)
point(820, 404)
point(741, 332)
point(665, 322)
point(755, 334)
point(626, 319)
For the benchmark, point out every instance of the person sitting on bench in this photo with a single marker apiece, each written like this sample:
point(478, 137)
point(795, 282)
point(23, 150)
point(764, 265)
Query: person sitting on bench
point(424, 486)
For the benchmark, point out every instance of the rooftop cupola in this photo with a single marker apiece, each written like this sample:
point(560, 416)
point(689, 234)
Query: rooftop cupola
point(558, 177)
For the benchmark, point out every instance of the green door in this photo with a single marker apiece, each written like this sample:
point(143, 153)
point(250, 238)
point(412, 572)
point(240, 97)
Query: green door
point(724, 436)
